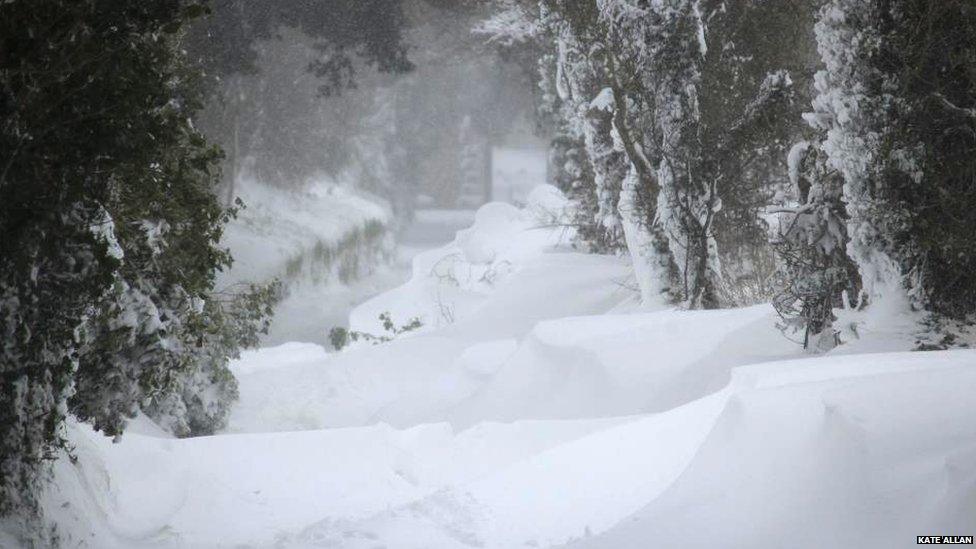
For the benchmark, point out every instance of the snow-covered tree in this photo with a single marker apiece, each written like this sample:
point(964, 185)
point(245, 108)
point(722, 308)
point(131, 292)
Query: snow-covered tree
point(853, 109)
point(889, 173)
point(756, 73)
point(80, 107)
point(816, 276)
point(666, 46)
point(896, 101)
point(674, 103)
point(674, 116)
point(586, 105)
point(110, 228)
point(695, 113)
point(563, 41)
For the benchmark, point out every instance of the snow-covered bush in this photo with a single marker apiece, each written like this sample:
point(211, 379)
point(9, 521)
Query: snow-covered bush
point(895, 101)
point(815, 272)
point(53, 266)
point(852, 110)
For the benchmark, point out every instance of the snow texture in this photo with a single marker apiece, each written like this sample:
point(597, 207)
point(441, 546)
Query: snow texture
point(549, 411)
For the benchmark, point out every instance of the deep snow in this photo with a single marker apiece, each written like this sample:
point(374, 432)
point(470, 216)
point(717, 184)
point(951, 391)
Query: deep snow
point(539, 406)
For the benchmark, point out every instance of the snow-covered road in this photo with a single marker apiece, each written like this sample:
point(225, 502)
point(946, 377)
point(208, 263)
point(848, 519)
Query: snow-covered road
point(540, 406)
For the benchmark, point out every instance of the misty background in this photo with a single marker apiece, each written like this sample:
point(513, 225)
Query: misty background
point(384, 156)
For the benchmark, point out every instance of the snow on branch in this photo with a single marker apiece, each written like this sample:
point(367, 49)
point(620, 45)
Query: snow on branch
point(510, 26)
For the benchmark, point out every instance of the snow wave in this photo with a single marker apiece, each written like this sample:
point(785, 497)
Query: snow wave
point(864, 451)
point(549, 411)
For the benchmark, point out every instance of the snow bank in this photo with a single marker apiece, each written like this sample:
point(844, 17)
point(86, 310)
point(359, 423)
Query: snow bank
point(329, 245)
point(301, 235)
point(406, 382)
point(866, 451)
point(610, 365)
point(252, 490)
point(432, 375)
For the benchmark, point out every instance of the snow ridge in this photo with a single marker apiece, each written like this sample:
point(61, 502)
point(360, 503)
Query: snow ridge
point(552, 410)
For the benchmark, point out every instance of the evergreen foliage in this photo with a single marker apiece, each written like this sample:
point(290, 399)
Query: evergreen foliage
point(895, 105)
point(110, 237)
point(815, 274)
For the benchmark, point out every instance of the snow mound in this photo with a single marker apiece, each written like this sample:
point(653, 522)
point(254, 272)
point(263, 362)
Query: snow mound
point(611, 365)
point(864, 451)
point(252, 490)
point(425, 377)
point(430, 376)
point(450, 282)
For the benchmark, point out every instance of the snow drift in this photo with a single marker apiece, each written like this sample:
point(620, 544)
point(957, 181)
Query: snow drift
point(547, 411)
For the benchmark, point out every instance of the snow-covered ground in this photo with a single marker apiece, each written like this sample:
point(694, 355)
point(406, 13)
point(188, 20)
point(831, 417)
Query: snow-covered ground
point(539, 406)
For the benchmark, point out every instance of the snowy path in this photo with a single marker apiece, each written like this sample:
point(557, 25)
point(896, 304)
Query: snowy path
point(550, 410)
